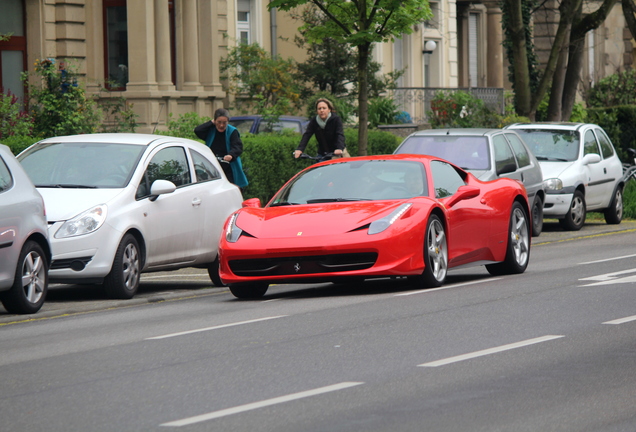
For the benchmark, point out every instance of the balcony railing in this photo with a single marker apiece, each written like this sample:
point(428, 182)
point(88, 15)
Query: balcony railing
point(417, 100)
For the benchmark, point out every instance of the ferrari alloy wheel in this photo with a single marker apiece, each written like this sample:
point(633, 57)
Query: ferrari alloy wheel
point(537, 216)
point(213, 271)
point(123, 280)
point(575, 218)
point(614, 213)
point(518, 249)
point(30, 285)
point(249, 291)
point(435, 255)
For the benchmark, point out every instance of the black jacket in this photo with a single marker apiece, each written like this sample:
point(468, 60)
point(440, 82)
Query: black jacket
point(329, 139)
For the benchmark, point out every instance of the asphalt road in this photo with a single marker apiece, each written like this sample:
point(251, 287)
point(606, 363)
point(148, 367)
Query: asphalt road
point(186, 283)
point(549, 350)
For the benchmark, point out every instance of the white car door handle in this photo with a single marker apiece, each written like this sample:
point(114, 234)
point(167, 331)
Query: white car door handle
point(196, 202)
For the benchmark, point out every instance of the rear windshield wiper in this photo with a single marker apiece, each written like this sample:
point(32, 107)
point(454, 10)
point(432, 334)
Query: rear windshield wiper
point(66, 186)
point(546, 158)
point(283, 203)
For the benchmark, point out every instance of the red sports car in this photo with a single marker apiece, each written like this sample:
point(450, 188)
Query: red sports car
point(376, 216)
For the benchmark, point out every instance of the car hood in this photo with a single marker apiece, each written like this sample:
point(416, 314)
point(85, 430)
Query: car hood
point(312, 219)
point(63, 204)
point(554, 169)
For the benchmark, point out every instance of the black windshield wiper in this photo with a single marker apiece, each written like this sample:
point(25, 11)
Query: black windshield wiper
point(283, 203)
point(326, 200)
point(552, 159)
point(66, 186)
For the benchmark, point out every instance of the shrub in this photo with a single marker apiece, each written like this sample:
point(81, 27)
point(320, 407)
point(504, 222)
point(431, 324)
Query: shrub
point(616, 89)
point(382, 111)
point(17, 143)
point(13, 119)
point(183, 126)
point(451, 109)
point(629, 200)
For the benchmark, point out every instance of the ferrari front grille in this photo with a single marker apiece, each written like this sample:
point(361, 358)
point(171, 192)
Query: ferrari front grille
point(315, 264)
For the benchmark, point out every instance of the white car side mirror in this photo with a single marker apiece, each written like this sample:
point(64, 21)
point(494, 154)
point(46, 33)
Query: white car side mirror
point(160, 187)
point(591, 158)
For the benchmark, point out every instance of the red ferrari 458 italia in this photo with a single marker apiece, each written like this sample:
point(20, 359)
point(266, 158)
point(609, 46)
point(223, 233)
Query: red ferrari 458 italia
point(376, 216)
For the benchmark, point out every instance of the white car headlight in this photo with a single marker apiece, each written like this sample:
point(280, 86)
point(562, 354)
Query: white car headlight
point(554, 184)
point(233, 232)
point(381, 224)
point(84, 223)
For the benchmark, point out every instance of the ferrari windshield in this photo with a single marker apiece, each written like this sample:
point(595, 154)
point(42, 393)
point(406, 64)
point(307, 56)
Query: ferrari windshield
point(467, 152)
point(356, 180)
point(81, 165)
point(552, 145)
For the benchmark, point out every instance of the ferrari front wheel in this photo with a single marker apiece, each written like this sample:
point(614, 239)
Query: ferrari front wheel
point(435, 255)
point(249, 291)
point(518, 248)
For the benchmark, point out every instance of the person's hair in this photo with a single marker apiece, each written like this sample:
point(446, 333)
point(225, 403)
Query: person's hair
point(221, 112)
point(328, 102)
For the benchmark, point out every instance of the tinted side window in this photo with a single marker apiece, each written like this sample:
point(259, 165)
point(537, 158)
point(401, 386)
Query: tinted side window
point(589, 144)
point(168, 164)
point(203, 168)
point(5, 177)
point(503, 154)
point(445, 179)
point(523, 158)
point(606, 145)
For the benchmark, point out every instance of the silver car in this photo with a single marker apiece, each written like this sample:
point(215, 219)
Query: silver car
point(25, 252)
point(487, 154)
point(122, 204)
point(581, 170)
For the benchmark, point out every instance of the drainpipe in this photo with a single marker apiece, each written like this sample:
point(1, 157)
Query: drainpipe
point(272, 30)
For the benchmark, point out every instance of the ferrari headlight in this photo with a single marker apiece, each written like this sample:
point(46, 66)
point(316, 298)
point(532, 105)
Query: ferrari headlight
point(381, 224)
point(233, 232)
point(84, 223)
point(554, 184)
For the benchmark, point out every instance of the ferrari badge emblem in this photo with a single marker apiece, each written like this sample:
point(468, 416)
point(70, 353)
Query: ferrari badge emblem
point(297, 267)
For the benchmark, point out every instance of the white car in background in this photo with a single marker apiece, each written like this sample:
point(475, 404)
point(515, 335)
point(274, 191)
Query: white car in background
point(122, 204)
point(25, 252)
point(581, 171)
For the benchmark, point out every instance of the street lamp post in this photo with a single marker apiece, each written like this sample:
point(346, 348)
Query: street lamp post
point(429, 47)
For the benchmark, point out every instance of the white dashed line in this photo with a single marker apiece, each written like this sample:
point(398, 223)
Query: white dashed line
point(215, 327)
point(621, 320)
point(498, 349)
point(428, 290)
point(261, 404)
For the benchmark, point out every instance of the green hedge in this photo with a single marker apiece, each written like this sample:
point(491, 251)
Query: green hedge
point(620, 124)
point(17, 143)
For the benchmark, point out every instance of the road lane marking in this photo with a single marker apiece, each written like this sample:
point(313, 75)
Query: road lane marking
point(214, 328)
point(186, 275)
point(621, 320)
point(608, 259)
point(261, 404)
point(408, 293)
point(611, 278)
point(494, 350)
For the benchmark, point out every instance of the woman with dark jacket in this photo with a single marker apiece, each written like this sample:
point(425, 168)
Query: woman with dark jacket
point(225, 142)
point(328, 128)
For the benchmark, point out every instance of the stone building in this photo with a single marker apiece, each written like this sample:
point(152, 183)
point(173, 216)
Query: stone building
point(163, 55)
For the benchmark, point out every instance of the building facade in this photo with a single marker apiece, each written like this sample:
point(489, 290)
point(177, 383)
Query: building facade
point(163, 56)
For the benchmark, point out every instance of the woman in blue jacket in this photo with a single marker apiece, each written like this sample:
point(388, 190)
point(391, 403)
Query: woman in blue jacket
point(225, 142)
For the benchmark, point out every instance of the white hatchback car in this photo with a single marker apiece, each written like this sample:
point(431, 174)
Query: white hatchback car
point(25, 252)
point(122, 204)
point(581, 171)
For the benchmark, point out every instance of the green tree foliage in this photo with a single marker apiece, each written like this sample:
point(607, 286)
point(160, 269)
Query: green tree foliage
point(617, 89)
point(361, 24)
point(60, 106)
point(270, 85)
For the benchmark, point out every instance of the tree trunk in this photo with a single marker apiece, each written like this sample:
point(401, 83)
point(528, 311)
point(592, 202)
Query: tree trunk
point(363, 98)
point(572, 78)
point(556, 91)
point(629, 10)
point(520, 59)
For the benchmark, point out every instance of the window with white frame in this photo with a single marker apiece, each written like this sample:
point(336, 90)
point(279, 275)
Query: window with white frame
point(243, 27)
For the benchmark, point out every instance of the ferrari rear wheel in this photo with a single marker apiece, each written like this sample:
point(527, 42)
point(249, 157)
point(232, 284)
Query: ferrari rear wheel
point(518, 249)
point(435, 255)
point(249, 291)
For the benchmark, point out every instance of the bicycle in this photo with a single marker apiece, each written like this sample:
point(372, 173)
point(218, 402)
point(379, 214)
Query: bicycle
point(318, 157)
point(629, 169)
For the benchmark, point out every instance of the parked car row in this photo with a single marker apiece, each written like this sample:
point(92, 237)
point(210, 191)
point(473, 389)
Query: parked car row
point(118, 205)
